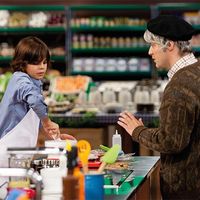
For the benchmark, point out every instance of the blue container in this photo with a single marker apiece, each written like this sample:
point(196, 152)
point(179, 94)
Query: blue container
point(94, 186)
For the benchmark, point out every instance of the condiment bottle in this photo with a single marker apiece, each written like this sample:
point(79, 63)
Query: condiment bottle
point(116, 139)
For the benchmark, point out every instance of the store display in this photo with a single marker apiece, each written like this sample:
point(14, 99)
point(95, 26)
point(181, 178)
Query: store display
point(90, 41)
point(93, 36)
point(125, 36)
point(70, 84)
point(98, 21)
point(4, 17)
point(125, 97)
point(38, 19)
point(46, 22)
point(18, 19)
point(95, 97)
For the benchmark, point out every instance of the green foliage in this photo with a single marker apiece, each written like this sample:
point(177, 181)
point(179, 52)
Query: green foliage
point(87, 119)
point(4, 79)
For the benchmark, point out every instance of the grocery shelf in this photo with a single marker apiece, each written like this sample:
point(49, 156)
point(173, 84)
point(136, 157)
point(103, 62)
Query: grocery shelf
point(34, 8)
point(113, 73)
point(5, 58)
point(58, 58)
point(178, 6)
point(54, 58)
point(108, 28)
point(111, 50)
point(135, 49)
point(96, 31)
point(196, 49)
point(196, 26)
point(111, 7)
point(31, 29)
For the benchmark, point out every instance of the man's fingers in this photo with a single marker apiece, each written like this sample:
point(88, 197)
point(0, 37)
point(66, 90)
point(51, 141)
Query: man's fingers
point(125, 118)
point(122, 119)
point(141, 122)
point(122, 124)
point(130, 115)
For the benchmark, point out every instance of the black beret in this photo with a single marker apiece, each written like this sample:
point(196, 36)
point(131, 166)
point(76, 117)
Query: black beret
point(171, 27)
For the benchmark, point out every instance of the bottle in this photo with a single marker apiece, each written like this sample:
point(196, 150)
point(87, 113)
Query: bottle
point(116, 139)
point(70, 182)
point(81, 181)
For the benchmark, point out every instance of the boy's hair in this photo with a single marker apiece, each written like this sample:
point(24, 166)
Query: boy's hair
point(29, 50)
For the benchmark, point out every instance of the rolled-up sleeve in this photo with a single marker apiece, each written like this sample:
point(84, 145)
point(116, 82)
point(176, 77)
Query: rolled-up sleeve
point(31, 94)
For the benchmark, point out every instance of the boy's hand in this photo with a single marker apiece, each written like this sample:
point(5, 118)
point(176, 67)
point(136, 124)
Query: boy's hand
point(67, 137)
point(51, 128)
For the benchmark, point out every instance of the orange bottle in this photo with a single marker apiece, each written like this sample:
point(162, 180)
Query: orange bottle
point(81, 180)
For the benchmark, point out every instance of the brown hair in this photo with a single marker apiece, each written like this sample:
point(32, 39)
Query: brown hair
point(29, 50)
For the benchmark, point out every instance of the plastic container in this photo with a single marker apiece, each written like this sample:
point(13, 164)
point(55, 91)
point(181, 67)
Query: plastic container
point(116, 139)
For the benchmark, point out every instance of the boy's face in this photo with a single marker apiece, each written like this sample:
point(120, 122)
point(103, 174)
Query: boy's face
point(37, 70)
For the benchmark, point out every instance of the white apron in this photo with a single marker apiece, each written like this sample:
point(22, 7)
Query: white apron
point(24, 134)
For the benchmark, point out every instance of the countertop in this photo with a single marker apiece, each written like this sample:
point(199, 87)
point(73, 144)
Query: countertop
point(143, 167)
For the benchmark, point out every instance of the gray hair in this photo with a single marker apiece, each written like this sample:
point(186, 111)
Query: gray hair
point(149, 37)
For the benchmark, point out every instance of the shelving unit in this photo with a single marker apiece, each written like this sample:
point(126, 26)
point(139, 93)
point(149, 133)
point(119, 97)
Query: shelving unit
point(111, 50)
point(114, 75)
point(115, 28)
point(177, 6)
point(53, 58)
point(28, 30)
point(53, 34)
point(185, 10)
point(98, 24)
point(102, 24)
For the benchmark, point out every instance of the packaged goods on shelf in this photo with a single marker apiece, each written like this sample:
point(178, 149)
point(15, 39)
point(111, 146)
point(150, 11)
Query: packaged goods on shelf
point(6, 49)
point(99, 21)
point(4, 17)
point(18, 19)
point(112, 64)
point(70, 84)
point(56, 19)
point(82, 41)
point(38, 19)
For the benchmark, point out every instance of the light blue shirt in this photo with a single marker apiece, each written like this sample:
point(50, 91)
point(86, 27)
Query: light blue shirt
point(22, 93)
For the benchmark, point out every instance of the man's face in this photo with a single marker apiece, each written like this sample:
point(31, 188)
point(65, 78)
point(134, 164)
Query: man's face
point(159, 55)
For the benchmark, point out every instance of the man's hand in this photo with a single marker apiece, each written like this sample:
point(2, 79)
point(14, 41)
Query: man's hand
point(129, 122)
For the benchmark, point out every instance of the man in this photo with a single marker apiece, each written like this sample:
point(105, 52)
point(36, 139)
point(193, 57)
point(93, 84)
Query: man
point(178, 136)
